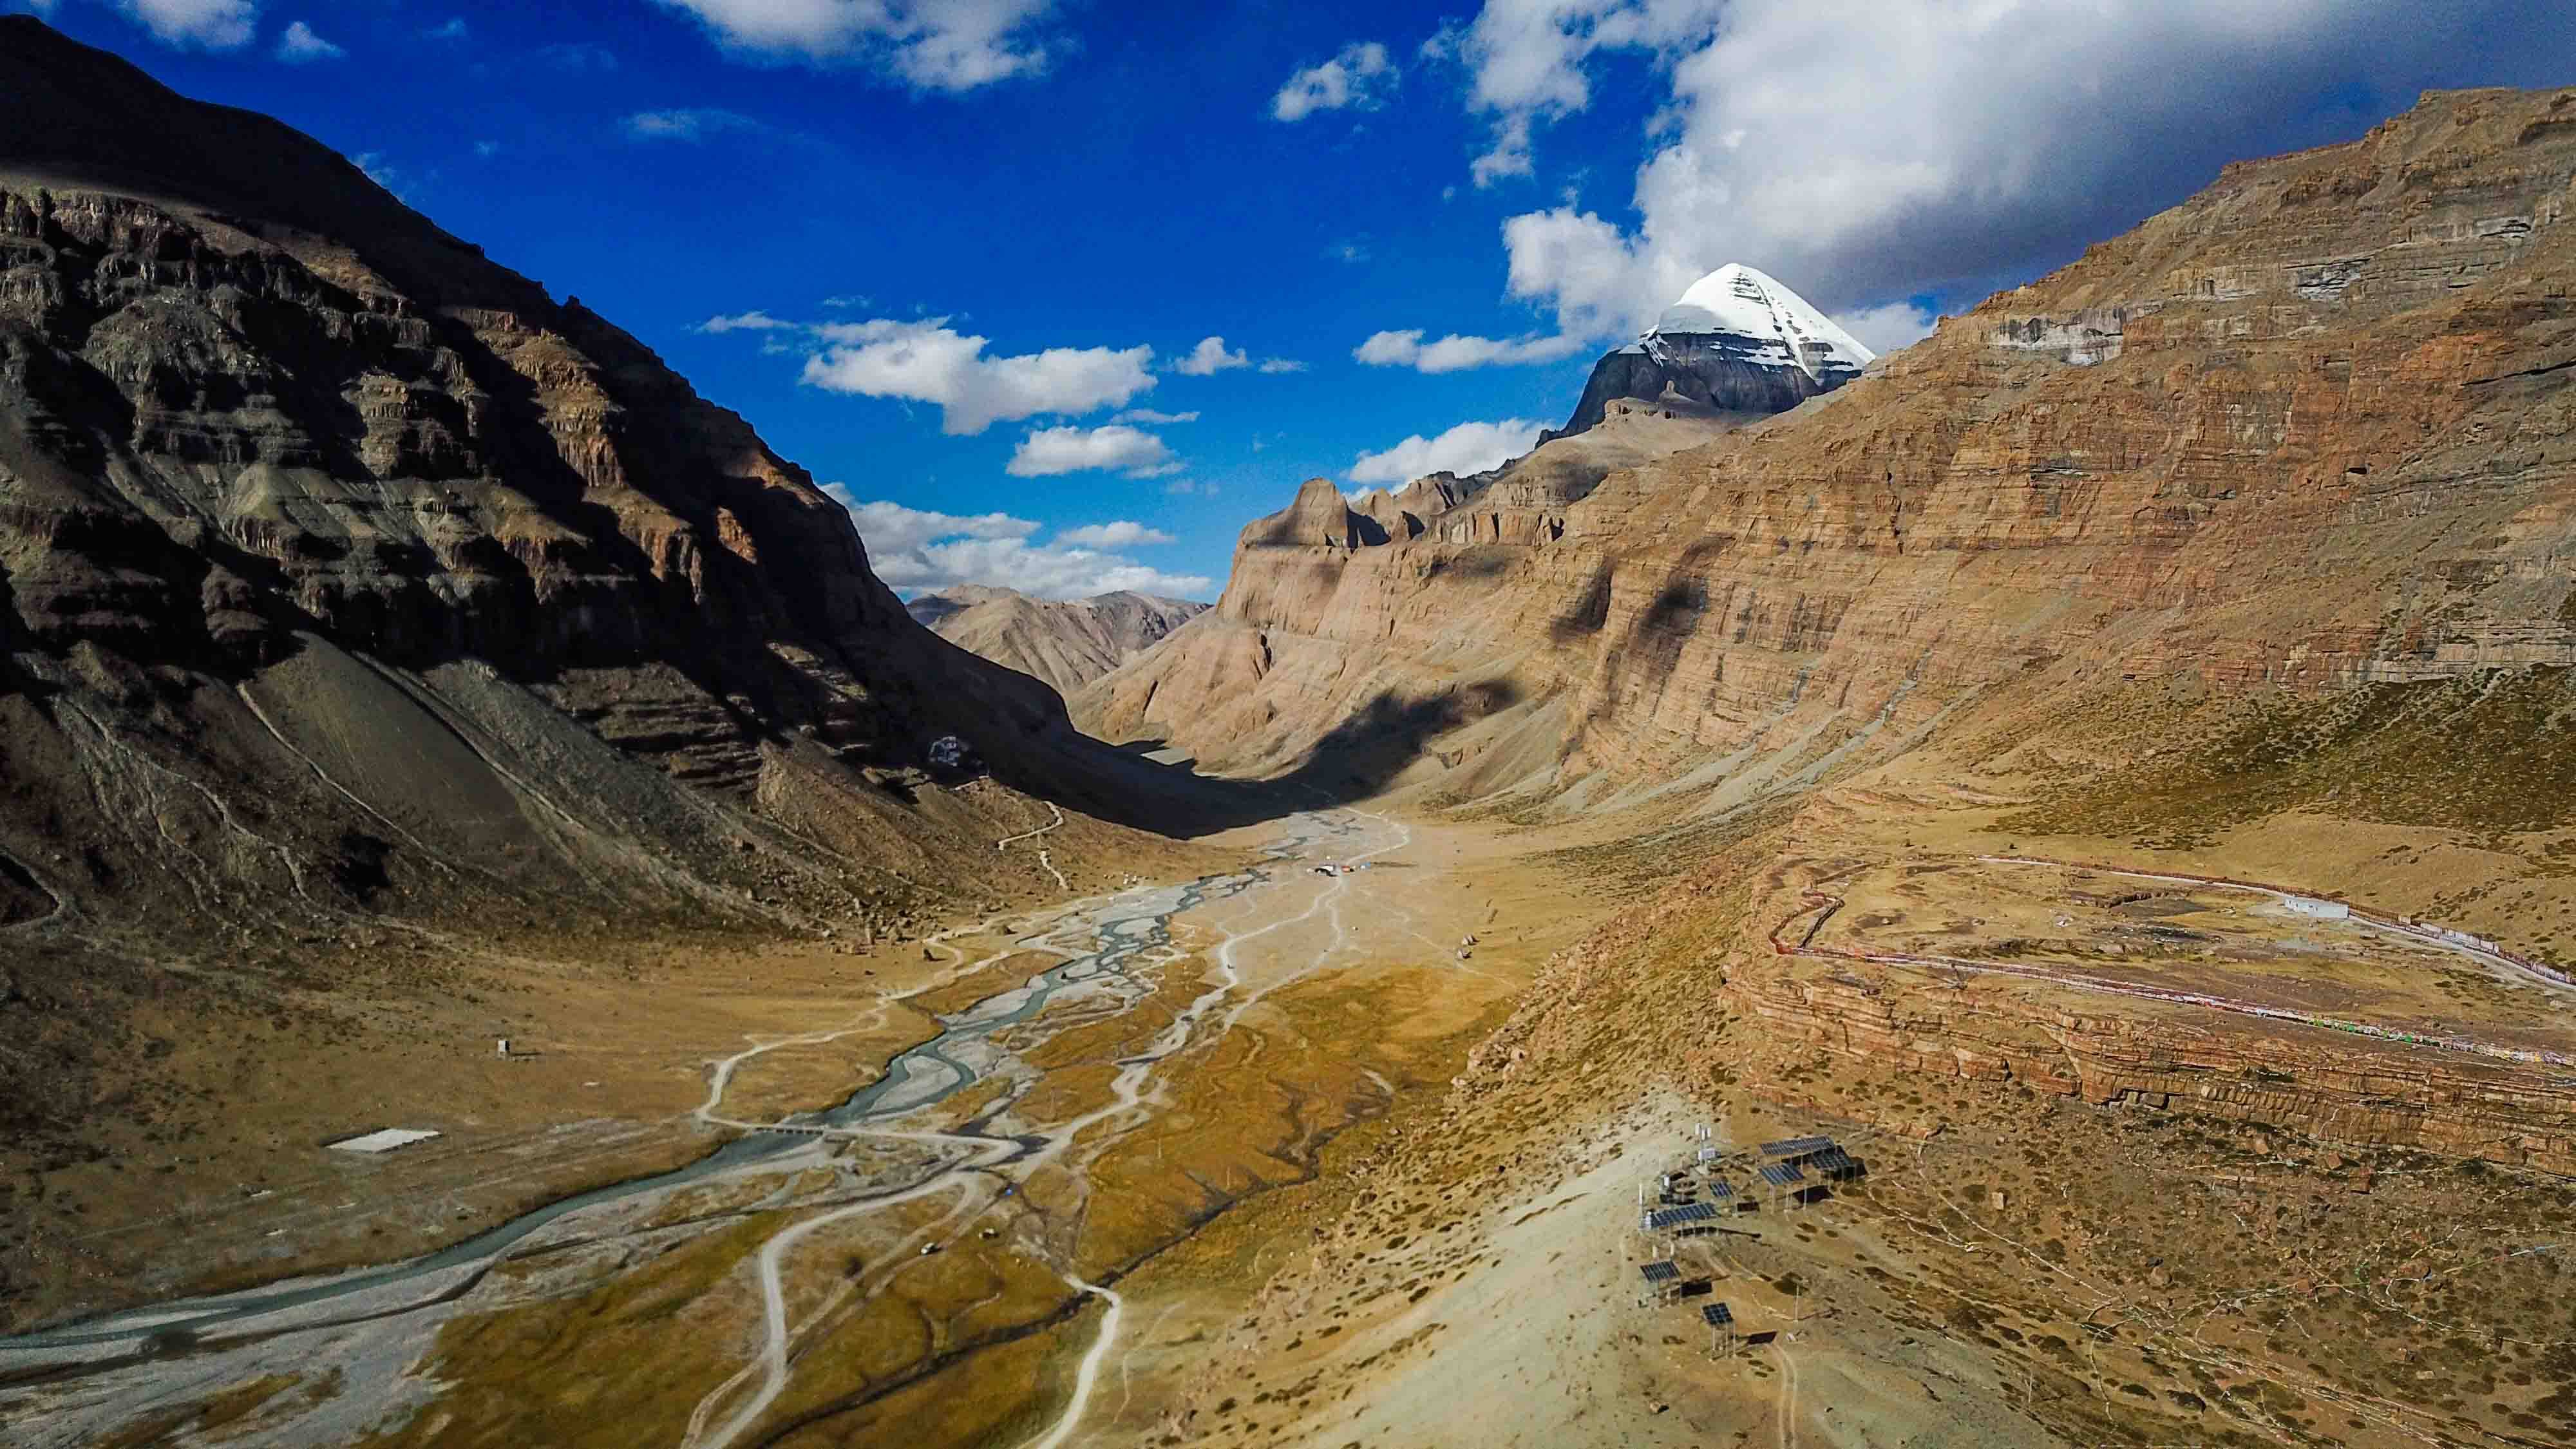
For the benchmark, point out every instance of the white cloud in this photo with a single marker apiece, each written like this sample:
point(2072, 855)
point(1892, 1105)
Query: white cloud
point(453, 29)
point(1466, 448)
point(913, 550)
point(1210, 357)
point(1281, 364)
point(1120, 534)
point(686, 124)
point(385, 174)
point(214, 24)
point(927, 361)
point(1885, 329)
point(1863, 150)
point(299, 44)
point(1050, 451)
point(1151, 418)
point(1360, 76)
point(1190, 485)
point(754, 321)
point(1453, 352)
point(931, 45)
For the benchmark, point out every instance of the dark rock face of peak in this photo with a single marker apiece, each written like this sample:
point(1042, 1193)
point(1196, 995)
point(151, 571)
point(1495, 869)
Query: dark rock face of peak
point(1721, 372)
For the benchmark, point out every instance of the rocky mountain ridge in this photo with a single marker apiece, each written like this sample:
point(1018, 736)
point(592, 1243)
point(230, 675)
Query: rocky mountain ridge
point(1064, 644)
point(348, 578)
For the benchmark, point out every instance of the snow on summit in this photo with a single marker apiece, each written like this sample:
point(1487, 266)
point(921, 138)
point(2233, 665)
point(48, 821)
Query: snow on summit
point(1738, 301)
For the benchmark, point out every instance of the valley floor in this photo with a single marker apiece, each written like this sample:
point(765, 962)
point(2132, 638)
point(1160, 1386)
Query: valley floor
point(1341, 1140)
point(1033, 1108)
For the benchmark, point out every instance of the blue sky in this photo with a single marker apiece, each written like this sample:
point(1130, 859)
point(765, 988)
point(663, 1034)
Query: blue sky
point(815, 208)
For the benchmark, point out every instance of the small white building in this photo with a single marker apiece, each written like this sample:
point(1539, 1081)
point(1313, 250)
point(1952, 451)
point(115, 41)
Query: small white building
point(2321, 910)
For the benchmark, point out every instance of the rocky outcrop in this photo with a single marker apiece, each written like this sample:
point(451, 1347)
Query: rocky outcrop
point(1064, 644)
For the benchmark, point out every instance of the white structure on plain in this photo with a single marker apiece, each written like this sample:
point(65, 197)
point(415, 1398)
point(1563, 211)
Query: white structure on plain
point(382, 1140)
point(504, 1047)
point(2321, 910)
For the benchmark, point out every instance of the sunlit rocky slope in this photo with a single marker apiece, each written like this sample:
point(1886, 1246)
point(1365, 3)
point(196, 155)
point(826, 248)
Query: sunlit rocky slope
point(1065, 643)
point(2239, 546)
point(2308, 430)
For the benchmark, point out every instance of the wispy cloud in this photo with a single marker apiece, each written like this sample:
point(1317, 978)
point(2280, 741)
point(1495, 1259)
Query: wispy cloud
point(695, 124)
point(915, 549)
point(1454, 353)
point(928, 361)
point(300, 45)
point(1464, 449)
point(1360, 76)
point(930, 45)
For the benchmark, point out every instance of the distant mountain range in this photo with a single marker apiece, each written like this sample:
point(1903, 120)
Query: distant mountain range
point(1065, 643)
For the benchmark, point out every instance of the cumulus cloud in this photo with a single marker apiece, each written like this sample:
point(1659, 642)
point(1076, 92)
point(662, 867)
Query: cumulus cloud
point(1120, 534)
point(1466, 448)
point(1281, 364)
point(930, 45)
point(928, 361)
point(1360, 76)
point(214, 24)
point(1454, 353)
point(1050, 451)
point(686, 125)
point(915, 550)
point(300, 44)
point(1885, 329)
point(1863, 150)
point(1151, 418)
point(1209, 357)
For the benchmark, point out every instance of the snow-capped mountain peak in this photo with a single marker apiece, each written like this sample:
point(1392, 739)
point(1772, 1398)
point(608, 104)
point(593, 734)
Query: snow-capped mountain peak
point(1739, 301)
point(1737, 343)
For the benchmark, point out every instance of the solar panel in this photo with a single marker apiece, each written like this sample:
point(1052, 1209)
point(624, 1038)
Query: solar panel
point(1660, 1272)
point(1793, 1146)
point(1717, 1315)
point(1673, 1217)
point(1781, 1174)
point(1721, 1190)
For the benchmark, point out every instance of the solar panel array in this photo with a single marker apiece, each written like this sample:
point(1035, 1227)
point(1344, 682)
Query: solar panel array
point(1782, 1174)
point(1836, 1163)
point(1660, 1272)
point(1796, 1146)
point(1721, 1189)
point(1717, 1315)
point(1689, 1212)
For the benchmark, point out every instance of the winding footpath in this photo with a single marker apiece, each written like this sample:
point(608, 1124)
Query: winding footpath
point(1045, 860)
